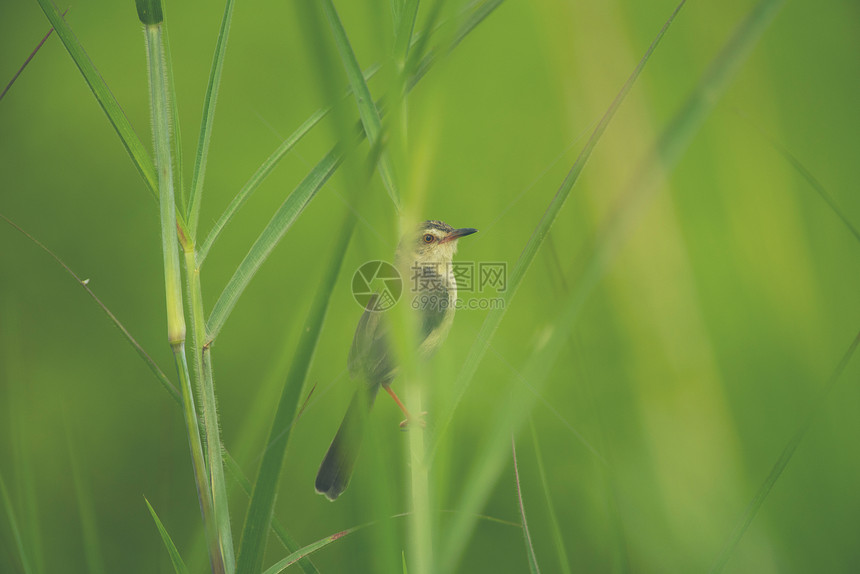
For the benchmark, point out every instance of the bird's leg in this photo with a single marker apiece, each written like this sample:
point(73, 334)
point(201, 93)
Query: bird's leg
point(409, 416)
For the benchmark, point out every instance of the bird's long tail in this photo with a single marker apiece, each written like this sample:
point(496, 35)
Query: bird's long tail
point(336, 468)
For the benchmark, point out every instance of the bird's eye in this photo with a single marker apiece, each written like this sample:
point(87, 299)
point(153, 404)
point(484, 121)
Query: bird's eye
point(428, 238)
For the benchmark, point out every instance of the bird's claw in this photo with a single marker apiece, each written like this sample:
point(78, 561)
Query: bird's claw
point(405, 424)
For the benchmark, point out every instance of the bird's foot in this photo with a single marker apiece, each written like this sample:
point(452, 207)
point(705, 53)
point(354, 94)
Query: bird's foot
point(410, 420)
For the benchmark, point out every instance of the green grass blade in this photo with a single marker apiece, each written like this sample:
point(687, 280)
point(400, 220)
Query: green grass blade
point(133, 145)
point(495, 316)
point(262, 172)
point(147, 358)
point(30, 57)
point(395, 12)
point(470, 23)
point(480, 13)
point(810, 178)
point(269, 238)
point(780, 464)
point(259, 516)
point(418, 44)
point(86, 508)
point(214, 449)
point(367, 109)
point(175, 558)
point(530, 550)
point(405, 28)
point(256, 179)
point(193, 213)
point(558, 539)
point(13, 524)
point(818, 187)
point(280, 532)
point(282, 564)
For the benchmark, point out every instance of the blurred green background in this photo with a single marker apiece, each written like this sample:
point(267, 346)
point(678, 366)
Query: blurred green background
point(694, 361)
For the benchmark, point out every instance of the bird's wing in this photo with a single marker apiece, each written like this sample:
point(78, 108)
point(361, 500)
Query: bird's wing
point(434, 309)
point(369, 357)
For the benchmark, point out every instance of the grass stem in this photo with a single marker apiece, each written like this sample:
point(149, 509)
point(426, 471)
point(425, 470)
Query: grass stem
point(161, 119)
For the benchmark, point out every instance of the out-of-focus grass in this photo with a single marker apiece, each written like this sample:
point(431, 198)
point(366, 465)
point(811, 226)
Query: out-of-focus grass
point(701, 347)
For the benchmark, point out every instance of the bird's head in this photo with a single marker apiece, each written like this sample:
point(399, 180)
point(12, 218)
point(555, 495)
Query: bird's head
point(431, 242)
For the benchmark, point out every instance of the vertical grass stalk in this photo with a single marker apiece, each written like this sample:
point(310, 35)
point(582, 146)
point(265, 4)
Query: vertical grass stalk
point(530, 550)
point(421, 529)
point(211, 426)
point(150, 14)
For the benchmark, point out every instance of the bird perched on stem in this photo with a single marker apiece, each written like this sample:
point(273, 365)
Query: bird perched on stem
point(426, 254)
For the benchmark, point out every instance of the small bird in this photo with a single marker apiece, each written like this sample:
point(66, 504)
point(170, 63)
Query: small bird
point(425, 254)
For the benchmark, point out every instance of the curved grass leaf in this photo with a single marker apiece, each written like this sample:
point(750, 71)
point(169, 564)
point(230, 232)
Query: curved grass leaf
point(533, 565)
point(404, 31)
point(282, 564)
point(780, 464)
point(495, 316)
point(418, 44)
point(269, 238)
point(810, 178)
point(255, 533)
point(262, 172)
point(133, 145)
point(477, 16)
point(13, 525)
point(175, 558)
point(193, 209)
point(255, 181)
point(366, 106)
point(818, 187)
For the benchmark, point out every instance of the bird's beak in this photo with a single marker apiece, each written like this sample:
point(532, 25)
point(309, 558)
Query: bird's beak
point(458, 233)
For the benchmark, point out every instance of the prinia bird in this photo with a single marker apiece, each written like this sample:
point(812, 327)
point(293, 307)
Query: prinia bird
point(425, 254)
